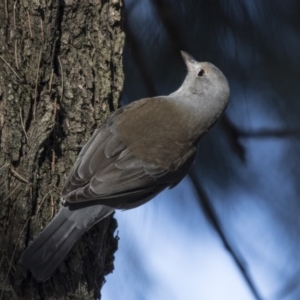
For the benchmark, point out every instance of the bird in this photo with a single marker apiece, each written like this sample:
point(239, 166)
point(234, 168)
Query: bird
point(142, 149)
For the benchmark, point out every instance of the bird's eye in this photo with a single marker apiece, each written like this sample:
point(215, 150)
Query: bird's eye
point(201, 73)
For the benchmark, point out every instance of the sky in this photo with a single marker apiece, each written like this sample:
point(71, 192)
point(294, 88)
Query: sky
point(168, 250)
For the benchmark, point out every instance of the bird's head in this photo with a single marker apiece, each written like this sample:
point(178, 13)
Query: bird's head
point(204, 78)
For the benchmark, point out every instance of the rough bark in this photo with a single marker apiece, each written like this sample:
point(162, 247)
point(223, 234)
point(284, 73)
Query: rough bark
point(60, 77)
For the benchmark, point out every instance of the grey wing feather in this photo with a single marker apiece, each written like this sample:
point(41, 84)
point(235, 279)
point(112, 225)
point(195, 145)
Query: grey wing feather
point(108, 171)
point(105, 169)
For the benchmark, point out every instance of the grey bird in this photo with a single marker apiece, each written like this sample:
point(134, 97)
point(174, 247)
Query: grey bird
point(142, 149)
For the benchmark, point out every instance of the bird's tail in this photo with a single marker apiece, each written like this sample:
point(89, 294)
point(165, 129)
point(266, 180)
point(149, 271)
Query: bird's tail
point(47, 251)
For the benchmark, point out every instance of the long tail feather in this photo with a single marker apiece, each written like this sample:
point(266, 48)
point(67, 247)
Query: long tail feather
point(49, 249)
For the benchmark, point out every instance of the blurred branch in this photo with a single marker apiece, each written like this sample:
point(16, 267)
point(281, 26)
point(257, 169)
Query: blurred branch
point(212, 216)
point(133, 45)
point(270, 133)
point(170, 24)
point(234, 136)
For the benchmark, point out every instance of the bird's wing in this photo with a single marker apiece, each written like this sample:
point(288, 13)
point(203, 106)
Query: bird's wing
point(109, 173)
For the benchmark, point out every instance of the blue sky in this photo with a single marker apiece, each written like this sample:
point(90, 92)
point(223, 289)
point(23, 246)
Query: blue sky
point(168, 250)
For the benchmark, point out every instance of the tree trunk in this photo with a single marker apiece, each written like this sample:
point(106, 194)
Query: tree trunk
point(60, 77)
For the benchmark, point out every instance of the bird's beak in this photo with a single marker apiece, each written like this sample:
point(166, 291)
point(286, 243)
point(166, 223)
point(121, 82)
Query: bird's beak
point(189, 60)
